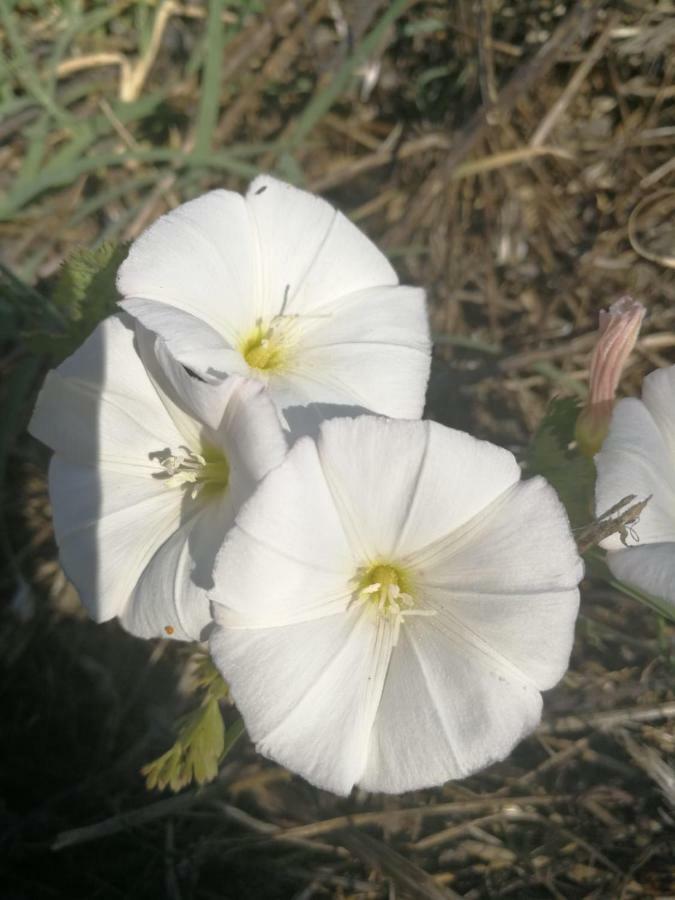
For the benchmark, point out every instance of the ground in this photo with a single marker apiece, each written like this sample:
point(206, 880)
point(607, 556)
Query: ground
point(515, 159)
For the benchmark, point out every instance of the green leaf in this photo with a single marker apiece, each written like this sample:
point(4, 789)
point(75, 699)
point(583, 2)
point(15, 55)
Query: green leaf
point(553, 454)
point(208, 677)
point(328, 93)
point(195, 754)
point(202, 742)
point(86, 286)
point(84, 295)
point(209, 102)
point(561, 418)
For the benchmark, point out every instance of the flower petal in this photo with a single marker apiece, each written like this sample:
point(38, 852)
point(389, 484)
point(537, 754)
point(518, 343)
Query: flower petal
point(287, 557)
point(308, 692)
point(170, 598)
point(236, 415)
point(100, 403)
point(521, 544)
point(189, 339)
point(108, 525)
point(371, 466)
point(651, 568)
point(404, 484)
point(457, 478)
point(532, 631)
point(446, 711)
point(380, 315)
point(658, 395)
point(368, 349)
point(310, 254)
point(635, 459)
point(198, 258)
point(249, 433)
point(387, 379)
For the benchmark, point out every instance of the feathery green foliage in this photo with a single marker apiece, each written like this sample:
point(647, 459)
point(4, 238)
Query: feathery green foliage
point(202, 741)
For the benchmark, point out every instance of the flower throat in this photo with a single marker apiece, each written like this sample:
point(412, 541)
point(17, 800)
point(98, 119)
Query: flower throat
point(385, 591)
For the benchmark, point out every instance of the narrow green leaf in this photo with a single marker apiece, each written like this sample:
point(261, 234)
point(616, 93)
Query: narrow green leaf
point(49, 178)
point(207, 114)
point(322, 101)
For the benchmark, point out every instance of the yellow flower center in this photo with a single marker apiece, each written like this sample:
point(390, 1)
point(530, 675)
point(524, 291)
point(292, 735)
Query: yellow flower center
point(264, 348)
point(385, 590)
point(208, 471)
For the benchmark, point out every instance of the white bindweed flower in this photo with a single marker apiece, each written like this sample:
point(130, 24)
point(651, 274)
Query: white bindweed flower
point(280, 286)
point(638, 457)
point(390, 604)
point(150, 467)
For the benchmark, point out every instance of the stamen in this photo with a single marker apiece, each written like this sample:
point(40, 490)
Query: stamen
point(380, 588)
point(185, 466)
point(270, 346)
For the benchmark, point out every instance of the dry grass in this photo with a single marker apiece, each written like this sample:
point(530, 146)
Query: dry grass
point(516, 159)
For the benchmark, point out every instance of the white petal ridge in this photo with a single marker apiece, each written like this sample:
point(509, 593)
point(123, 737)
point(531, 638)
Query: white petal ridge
point(309, 692)
point(198, 258)
point(443, 713)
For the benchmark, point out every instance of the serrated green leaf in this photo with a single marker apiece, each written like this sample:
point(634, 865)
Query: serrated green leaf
point(84, 295)
point(86, 288)
point(195, 753)
point(208, 677)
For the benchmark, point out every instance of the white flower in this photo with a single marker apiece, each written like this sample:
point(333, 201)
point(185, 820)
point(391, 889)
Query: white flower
point(638, 457)
point(149, 469)
point(279, 286)
point(391, 602)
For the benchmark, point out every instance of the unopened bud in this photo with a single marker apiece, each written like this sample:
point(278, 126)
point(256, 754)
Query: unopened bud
point(617, 334)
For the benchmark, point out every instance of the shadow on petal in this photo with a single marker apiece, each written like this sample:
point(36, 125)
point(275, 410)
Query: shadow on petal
point(305, 421)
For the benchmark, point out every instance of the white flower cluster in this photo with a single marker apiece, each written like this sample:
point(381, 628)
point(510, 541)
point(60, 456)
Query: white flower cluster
point(239, 458)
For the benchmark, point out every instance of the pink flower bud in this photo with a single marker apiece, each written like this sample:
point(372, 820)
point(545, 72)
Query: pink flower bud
point(617, 334)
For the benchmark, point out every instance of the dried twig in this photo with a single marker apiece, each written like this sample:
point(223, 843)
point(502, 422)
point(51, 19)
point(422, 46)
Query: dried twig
point(458, 807)
point(525, 77)
point(594, 54)
point(408, 875)
point(612, 522)
point(605, 721)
